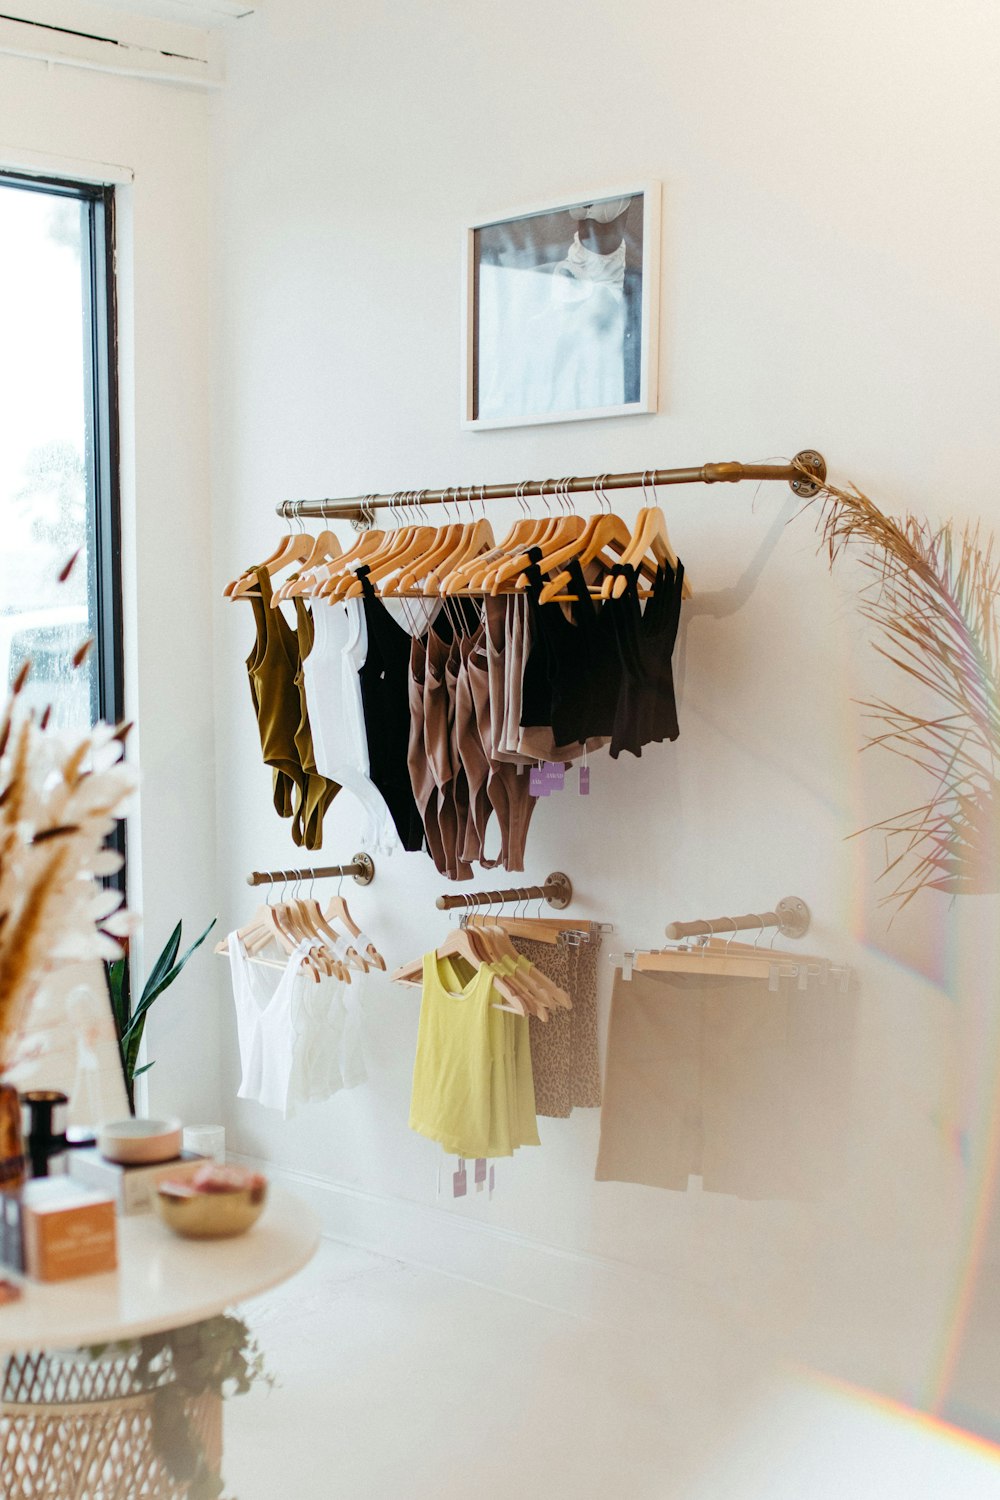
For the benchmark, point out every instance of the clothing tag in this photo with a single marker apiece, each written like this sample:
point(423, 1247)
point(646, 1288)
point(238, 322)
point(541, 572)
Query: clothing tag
point(439, 1180)
point(492, 1179)
point(584, 781)
point(538, 784)
point(480, 1171)
point(555, 774)
point(460, 1180)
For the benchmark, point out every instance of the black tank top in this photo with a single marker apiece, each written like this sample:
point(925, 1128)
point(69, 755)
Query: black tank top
point(647, 708)
point(572, 675)
point(385, 696)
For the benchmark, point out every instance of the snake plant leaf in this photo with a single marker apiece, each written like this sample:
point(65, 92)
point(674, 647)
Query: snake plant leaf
point(166, 960)
point(152, 991)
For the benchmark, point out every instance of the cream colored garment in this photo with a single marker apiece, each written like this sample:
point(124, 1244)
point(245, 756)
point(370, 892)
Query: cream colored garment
point(726, 1079)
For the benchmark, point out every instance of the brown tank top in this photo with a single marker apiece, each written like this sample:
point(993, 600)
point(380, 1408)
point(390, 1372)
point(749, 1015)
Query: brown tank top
point(469, 742)
point(507, 784)
point(425, 791)
point(271, 667)
point(438, 714)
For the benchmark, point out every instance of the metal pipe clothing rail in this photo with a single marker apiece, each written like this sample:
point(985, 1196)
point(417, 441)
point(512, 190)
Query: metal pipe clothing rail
point(806, 474)
point(790, 916)
point(361, 867)
point(557, 891)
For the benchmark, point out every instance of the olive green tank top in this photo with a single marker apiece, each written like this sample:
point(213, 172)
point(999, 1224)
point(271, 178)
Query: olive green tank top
point(274, 669)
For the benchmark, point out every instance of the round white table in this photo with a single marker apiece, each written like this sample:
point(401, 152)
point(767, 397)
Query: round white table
point(162, 1281)
point(69, 1425)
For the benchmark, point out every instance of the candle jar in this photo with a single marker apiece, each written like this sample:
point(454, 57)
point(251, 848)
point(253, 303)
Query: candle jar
point(12, 1163)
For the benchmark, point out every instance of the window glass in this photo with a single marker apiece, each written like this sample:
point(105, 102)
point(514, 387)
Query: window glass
point(48, 447)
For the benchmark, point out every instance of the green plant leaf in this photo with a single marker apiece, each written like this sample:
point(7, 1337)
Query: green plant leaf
point(131, 1050)
point(115, 973)
point(151, 992)
point(144, 1069)
point(130, 1039)
point(166, 959)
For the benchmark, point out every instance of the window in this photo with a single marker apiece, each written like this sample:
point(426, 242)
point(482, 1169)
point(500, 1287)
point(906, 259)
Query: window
point(58, 447)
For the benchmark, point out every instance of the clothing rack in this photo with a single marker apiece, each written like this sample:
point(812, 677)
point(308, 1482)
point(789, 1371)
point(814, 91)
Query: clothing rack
point(557, 891)
point(361, 867)
point(790, 916)
point(806, 474)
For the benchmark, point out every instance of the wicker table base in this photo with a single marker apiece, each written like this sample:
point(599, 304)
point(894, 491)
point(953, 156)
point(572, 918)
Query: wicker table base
point(75, 1428)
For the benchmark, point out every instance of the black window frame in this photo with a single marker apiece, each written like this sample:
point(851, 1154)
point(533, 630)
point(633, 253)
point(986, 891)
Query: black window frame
point(104, 552)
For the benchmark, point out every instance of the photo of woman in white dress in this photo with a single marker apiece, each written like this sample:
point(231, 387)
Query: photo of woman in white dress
point(558, 313)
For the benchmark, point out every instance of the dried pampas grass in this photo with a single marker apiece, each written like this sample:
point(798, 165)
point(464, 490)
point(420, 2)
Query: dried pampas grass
point(60, 797)
point(932, 597)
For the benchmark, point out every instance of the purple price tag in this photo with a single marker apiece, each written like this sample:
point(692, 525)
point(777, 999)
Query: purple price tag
point(460, 1183)
point(555, 774)
point(492, 1179)
point(584, 781)
point(538, 784)
point(480, 1169)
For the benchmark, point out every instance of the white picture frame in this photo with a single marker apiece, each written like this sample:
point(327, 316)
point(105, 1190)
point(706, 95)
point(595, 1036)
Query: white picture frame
point(547, 347)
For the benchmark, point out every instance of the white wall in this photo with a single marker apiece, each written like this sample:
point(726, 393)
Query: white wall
point(828, 279)
point(153, 139)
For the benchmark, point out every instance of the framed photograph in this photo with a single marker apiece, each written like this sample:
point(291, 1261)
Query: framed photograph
point(561, 312)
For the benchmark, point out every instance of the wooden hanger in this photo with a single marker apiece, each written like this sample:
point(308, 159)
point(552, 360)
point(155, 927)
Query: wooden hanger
point(367, 544)
point(461, 943)
point(600, 532)
point(650, 537)
point(718, 957)
point(528, 532)
point(244, 587)
point(337, 907)
point(315, 569)
point(477, 542)
point(560, 531)
point(447, 543)
point(538, 993)
point(468, 576)
point(263, 929)
point(541, 929)
point(274, 561)
point(407, 546)
point(370, 552)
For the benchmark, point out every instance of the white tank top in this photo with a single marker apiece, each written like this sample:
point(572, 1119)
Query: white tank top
point(336, 712)
point(265, 1025)
point(299, 1041)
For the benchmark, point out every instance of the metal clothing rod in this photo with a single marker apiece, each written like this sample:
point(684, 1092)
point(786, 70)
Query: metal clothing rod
point(790, 916)
point(362, 867)
point(557, 891)
point(360, 507)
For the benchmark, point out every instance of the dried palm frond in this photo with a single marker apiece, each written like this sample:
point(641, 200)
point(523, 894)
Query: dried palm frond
point(933, 600)
point(59, 799)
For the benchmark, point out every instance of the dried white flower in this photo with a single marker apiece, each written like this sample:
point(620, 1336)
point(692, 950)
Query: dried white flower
point(60, 796)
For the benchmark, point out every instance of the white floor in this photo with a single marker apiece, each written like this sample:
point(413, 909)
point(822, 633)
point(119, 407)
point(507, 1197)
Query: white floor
point(398, 1383)
point(401, 1382)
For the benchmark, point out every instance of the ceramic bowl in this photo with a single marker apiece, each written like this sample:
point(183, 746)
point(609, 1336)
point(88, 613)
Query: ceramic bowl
point(131, 1141)
point(208, 1216)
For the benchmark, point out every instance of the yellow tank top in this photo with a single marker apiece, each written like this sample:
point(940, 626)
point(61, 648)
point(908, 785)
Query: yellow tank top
point(452, 1071)
point(472, 1085)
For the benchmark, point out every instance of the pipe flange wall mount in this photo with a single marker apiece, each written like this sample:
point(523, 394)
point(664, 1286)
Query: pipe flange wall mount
point(793, 917)
point(558, 890)
point(802, 485)
point(366, 874)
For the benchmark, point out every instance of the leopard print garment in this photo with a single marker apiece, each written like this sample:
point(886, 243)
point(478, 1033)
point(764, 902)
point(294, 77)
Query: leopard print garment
point(564, 1061)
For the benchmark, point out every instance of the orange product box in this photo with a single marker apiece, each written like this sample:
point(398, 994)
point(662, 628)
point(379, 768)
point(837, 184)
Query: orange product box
point(68, 1230)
